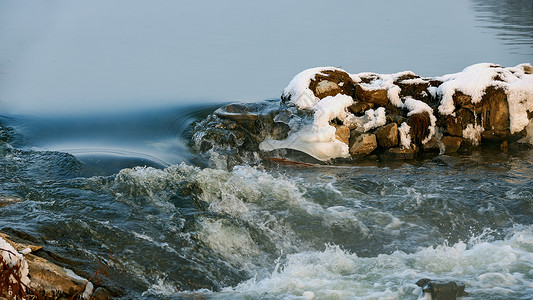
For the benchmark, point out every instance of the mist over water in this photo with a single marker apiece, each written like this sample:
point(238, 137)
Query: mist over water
point(97, 104)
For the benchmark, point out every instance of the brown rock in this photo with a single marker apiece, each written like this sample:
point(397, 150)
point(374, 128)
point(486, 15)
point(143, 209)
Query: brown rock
point(362, 144)
point(327, 88)
point(378, 97)
point(387, 136)
point(453, 126)
point(461, 99)
point(48, 278)
point(342, 80)
point(342, 133)
point(360, 107)
point(432, 145)
point(451, 143)
point(419, 124)
point(401, 153)
point(495, 113)
point(527, 69)
point(7, 200)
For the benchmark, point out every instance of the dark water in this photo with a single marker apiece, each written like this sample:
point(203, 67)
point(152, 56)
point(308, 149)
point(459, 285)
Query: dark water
point(119, 184)
point(174, 227)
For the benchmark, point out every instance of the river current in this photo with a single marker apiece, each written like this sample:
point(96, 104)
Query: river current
point(100, 158)
point(187, 226)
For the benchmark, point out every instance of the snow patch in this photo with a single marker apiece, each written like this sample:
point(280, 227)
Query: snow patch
point(318, 138)
point(417, 107)
point(473, 133)
point(12, 258)
point(298, 88)
point(405, 137)
point(475, 79)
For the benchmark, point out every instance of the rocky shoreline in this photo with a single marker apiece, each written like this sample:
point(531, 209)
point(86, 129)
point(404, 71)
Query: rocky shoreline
point(28, 275)
point(328, 114)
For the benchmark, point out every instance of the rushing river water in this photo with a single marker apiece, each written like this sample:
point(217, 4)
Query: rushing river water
point(123, 186)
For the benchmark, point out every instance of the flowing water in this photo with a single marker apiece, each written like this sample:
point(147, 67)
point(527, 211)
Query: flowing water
point(125, 188)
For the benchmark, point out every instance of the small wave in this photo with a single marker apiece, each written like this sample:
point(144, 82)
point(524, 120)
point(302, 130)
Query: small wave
point(490, 270)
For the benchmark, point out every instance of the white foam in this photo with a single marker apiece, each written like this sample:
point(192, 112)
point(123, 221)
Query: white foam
point(490, 270)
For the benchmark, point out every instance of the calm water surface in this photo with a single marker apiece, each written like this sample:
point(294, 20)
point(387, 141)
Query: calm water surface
point(97, 102)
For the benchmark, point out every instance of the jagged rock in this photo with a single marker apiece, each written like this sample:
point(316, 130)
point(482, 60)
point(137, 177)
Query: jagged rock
point(342, 133)
point(451, 143)
point(362, 144)
point(377, 96)
point(387, 136)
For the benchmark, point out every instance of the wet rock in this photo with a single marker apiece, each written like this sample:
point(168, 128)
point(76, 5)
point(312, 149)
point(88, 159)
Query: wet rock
point(387, 136)
point(451, 143)
point(101, 294)
point(362, 144)
point(7, 200)
point(49, 279)
point(342, 133)
point(432, 145)
point(399, 153)
point(46, 278)
point(376, 96)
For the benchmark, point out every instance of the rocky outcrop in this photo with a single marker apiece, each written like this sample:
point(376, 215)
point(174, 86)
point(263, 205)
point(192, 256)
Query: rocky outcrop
point(329, 113)
point(46, 279)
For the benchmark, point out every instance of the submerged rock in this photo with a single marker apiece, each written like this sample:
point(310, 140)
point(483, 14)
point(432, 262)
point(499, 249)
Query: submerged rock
point(329, 113)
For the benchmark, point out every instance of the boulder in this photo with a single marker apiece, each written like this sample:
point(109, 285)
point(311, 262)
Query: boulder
point(359, 107)
point(326, 88)
point(387, 136)
point(332, 82)
point(399, 153)
point(451, 143)
point(342, 133)
point(48, 279)
point(376, 96)
point(419, 124)
point(432, 145)
point(495, 113)
point(362, 144)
